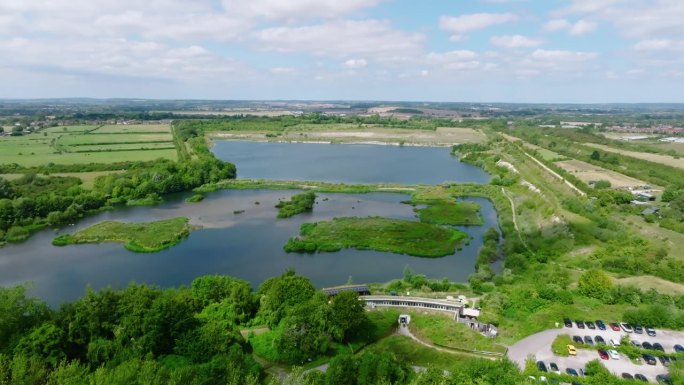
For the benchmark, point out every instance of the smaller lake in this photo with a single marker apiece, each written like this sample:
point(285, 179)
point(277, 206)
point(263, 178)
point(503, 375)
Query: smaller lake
point(346, 163)
point(247, 245)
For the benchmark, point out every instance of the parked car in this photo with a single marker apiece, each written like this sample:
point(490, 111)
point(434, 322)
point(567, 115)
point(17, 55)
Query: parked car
point(649, 359)
point(640, 377)
point(603, 354)
point(627, 328)
point(678, 348)
point(577, 339)
point(658, 346)
point(635, 343)
point(599, 340)
point(588, 340)
point(571, 372)
point(614, 342)
point(615, 326)
point(590, 325)
point(541, 366)
point(580, 324)
point(663, 379)
point(650, 331)
point(664, 360)
point(638, 329)
point(554, 368)
point(567, 322)
point(572, 350)
point(600, 324)
point(627, 376)
point(614, 355)
point(647, 345)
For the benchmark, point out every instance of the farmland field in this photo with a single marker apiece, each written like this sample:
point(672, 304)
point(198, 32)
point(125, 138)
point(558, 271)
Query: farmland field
point(133, 128)
point(590, 173)
point(77, 145)
point(655, 158)
point(88, 139)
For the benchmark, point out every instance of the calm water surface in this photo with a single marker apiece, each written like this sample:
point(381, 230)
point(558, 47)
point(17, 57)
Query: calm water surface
point(247, 245)
point(346, 163)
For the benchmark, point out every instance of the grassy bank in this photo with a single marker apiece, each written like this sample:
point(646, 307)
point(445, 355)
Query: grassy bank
point(247, 184)
point(452, 213)
point(375, 233)
point(442, 330)
point(146, 237)
point(298, 204)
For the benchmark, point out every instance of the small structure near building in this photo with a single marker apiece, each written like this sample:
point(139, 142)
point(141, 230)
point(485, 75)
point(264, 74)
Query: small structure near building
point(651, 210)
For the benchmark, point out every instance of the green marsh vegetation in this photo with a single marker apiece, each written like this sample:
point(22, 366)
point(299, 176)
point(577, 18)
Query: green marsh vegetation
point(450, 213)
point(375, 233)
point(147, 237)
point(195, 198)
point(298, 203)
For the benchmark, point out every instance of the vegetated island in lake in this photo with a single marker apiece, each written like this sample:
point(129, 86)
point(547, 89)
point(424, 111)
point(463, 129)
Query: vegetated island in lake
point(376, 233)
point(298, 204)
point(195, 198)
point(147, 237)
point(444, 212)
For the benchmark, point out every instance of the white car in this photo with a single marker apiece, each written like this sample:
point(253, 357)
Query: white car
point(613, 354)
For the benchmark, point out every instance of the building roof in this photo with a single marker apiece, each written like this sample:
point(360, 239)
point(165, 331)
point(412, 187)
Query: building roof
point(338, 289)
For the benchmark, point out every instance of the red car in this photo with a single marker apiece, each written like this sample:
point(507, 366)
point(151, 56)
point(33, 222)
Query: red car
point(615, 326)
point(603, 354)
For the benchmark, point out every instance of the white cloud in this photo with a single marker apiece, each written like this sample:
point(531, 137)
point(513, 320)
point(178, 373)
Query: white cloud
point(454, 60)
point(515, 41)
point(296, 9)
point(562, 56)
point(579, 28)
point(458, 26)
point(655, 45)
point(582, 27)
point(634, 18)
point(557, 25)
point(282, 70)
point(355, 63)
point(342, 38)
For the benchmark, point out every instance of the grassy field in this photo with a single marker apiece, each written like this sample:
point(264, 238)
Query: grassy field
point(591, 173)
point(69, 129)
point(647, 282)
point(92, 139)
point(374, 233)
point(133, 128)
point(77, 145)
point(409, 351)
point(138, 237)
point(655, 158)
point(450, 213)
point(441, 329)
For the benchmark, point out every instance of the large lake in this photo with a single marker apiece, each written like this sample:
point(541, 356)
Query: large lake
point(247, 245)
point(346, 163)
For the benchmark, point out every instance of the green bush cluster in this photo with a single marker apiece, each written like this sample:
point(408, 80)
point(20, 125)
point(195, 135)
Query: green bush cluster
point(298, 203)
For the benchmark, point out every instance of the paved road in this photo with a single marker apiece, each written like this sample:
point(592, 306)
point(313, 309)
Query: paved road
point(538, 346)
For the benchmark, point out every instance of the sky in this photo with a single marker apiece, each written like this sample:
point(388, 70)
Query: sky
point(527, 51)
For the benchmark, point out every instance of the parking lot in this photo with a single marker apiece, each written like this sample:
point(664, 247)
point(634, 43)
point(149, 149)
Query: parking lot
point(539, 347)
